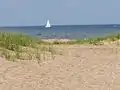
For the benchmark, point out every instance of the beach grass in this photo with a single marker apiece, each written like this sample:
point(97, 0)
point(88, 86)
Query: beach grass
point(18, 46)
point(91, 40)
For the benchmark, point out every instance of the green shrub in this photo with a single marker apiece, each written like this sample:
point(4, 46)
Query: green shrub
point(13, 41)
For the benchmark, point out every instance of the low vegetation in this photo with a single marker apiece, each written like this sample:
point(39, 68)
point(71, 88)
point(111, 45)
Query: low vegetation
point(14, 46)
point(92, 40)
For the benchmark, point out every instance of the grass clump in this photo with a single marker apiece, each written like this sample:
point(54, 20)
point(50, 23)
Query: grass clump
point(112, 37)
point(92, 40)
point(13, 41)
point(81, 41)
point(19, 46)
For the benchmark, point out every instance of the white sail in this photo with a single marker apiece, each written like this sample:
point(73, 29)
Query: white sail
point(48, 24)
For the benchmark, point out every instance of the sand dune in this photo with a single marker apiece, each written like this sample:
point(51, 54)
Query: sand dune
point(75, 68)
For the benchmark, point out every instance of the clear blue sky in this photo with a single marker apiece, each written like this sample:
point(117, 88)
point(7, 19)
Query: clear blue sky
point(36, 12)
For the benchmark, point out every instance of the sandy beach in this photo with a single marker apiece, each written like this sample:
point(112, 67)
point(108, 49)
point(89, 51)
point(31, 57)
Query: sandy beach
point(59, 45)
point(76, 67)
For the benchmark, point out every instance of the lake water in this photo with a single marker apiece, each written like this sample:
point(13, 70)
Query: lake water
point(65, 31)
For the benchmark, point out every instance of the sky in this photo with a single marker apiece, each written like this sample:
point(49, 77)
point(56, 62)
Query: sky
point(59, 12)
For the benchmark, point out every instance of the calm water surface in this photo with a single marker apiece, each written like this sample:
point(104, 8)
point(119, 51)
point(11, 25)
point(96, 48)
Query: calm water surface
point(65, 31)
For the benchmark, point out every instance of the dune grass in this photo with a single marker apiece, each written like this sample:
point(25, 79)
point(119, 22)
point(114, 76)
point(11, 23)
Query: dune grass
point(92, 40)
point(12, 41)
point(17, 46)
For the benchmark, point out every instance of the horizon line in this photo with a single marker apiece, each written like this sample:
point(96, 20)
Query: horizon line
point(57, 25)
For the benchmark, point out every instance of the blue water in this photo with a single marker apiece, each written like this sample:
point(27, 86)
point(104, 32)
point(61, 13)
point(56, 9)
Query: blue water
point(66, 31)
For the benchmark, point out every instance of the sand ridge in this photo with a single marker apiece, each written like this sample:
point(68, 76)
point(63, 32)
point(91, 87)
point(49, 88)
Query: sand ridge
point(76, 68)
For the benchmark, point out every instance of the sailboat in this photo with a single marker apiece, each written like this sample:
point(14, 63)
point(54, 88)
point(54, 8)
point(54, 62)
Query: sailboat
point(48, 24)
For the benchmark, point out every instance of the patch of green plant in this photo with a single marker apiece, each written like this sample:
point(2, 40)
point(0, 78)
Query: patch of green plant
point(92, 40)
point(13, 41)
